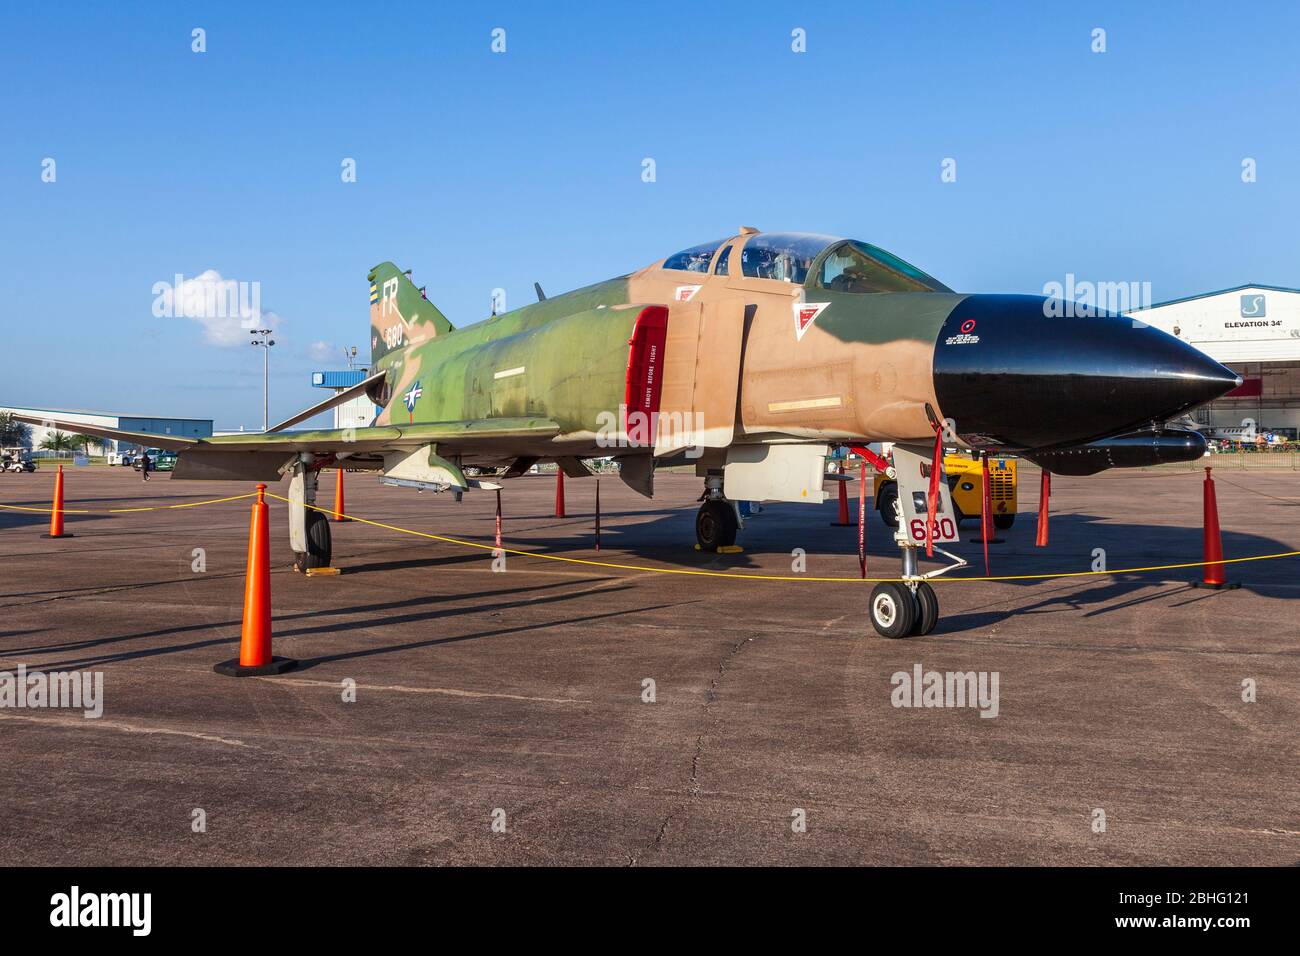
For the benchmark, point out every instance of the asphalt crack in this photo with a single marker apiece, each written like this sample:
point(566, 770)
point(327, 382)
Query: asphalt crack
point(711, 722)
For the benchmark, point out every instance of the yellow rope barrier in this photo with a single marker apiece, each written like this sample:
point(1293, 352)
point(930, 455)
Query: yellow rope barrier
point(777, 577)
point(118, 511)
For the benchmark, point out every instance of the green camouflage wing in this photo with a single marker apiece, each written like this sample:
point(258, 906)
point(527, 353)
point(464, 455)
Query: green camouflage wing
point(258, 457)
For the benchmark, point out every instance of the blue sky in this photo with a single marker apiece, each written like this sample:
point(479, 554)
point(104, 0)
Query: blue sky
point(480, 170)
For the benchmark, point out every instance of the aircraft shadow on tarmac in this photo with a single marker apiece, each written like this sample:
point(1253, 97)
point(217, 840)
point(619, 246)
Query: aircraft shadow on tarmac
point(367, 616)
point(668, 538)
point(23, 519)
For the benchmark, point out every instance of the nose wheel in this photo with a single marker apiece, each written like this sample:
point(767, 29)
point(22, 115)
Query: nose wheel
point(893, 610)
point(898, 611)
point(927, 607)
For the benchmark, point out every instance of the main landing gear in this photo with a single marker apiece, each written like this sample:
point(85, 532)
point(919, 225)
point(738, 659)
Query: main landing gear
point(309, 530)
point(717, 522)
point(716, 525)
point(319, 548)
point(910, 606)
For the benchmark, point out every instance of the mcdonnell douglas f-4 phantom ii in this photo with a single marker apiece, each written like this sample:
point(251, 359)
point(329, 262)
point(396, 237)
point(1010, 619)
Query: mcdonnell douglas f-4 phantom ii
point(748, 357)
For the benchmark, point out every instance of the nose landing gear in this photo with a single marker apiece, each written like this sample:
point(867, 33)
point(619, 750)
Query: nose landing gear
point(910, 606)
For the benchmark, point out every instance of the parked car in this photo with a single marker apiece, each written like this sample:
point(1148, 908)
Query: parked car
point(159, 460)
point(120, 458)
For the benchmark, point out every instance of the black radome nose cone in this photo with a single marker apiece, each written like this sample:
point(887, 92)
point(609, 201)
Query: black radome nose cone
point(1022, 372)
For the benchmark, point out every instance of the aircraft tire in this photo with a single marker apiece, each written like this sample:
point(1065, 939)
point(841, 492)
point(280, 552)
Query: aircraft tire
point(715, 525)
point(893, 610)
point(888, 495)
point(319, 546)
point(927, 609)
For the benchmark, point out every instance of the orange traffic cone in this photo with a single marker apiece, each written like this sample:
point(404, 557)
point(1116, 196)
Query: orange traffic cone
point(1212, 541)
point(255, 658)
point(340, 514)
point(559, 493)
point(56, 513)
point(843, 521)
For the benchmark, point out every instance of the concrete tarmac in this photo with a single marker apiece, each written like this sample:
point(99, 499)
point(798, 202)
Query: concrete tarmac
point(518, 697)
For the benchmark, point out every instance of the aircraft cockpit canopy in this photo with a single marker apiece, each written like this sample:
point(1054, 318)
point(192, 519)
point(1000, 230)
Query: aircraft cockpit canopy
point(817, 261)
point(855, 266)
point(694, 259)
point(784, 256)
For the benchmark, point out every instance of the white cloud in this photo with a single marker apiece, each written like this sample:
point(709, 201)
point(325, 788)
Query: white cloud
point(322, 351)
point(226, 308)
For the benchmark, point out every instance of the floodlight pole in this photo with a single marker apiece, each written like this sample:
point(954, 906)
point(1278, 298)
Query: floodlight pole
point(265, 344)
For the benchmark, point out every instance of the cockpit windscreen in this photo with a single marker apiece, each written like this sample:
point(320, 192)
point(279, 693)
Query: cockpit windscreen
point(859, 267)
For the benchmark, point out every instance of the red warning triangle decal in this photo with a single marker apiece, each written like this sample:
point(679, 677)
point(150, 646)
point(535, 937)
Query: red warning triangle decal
point(805, 314)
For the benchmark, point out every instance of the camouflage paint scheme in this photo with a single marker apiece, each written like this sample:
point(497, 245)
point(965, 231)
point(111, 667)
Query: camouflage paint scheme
point(533, 382)
point(861, 371)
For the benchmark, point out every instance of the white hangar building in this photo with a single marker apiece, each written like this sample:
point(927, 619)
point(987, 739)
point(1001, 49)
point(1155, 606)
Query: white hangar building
point(1255, 331)
point(147, 424)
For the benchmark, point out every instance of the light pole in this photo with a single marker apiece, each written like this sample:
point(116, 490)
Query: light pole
point(262, 341)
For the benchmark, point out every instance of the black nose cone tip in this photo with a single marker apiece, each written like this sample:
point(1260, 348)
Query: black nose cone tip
point(1022, 372)
point(1204, 378)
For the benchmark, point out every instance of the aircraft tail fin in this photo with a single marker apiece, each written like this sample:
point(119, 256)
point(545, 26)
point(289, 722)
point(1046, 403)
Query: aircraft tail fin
point(400, 315)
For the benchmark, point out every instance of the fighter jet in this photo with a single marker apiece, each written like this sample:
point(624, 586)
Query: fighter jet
point(749, 357)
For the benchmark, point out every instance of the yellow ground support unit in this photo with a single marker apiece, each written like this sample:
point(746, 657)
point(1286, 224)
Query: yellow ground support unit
point(964, 483)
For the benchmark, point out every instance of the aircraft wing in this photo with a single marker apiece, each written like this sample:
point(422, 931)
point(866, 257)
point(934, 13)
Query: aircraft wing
point(147, 439)
point(256, 456)
point(473, 435)
point(261, 457)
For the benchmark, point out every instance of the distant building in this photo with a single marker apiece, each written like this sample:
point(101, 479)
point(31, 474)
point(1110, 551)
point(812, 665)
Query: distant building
point(1255, 331)
point(357, 413)
point(147, 424)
